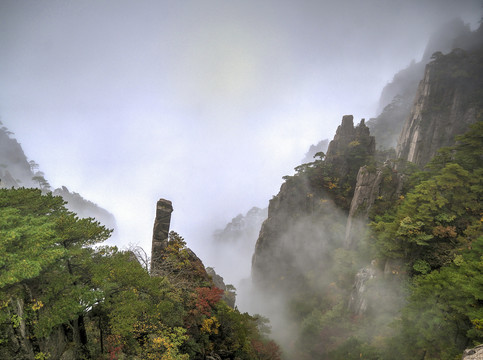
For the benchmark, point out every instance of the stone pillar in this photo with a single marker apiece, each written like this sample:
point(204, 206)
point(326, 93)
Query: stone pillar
point(164, 208)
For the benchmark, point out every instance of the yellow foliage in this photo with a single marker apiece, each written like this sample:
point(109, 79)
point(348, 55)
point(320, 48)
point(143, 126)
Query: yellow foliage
point(37, 305)
point(210, 325)
point(331, 185)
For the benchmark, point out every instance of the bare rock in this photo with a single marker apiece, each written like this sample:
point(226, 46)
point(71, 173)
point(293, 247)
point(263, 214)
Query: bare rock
point(473, 354)
point(162, 221)
point(443, 107)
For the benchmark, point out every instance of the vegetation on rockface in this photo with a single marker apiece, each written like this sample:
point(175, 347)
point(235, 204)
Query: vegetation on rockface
point(425, 298)
point(301, 257)
point(409, 285)
point(436, 231)
point(61, 296)
point(387, 126)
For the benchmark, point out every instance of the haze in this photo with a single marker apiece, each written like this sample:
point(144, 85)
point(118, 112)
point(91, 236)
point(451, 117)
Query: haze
point(205, 103)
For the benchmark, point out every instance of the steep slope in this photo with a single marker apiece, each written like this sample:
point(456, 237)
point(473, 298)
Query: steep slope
point(397, 97)
point(306, 218)
point(65, 297)
point(448, 100)
point(243, 227)
point(321, 146)
point(315, 241)
point(17, 171)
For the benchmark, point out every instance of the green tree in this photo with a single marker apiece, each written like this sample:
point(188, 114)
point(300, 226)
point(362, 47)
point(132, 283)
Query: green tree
point(44, 257)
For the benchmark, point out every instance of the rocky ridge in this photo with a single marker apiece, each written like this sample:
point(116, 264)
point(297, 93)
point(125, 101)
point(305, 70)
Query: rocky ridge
point(295, 241)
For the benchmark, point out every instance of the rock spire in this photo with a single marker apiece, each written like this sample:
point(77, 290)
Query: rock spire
point(164, 208)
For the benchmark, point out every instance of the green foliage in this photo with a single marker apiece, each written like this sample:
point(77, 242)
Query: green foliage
point(354, 349)
point(52, 280)
point(428, 303)
point(437, 231)
point(431, 221)
point(444, 311)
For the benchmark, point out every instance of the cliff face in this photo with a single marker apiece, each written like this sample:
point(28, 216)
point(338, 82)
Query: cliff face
point(308, 216)
point(448, 100)
point(308, 250)
point(397, 97)
point(381, 184)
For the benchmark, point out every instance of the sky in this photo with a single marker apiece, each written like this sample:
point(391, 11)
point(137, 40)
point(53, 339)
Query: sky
point(207, 103)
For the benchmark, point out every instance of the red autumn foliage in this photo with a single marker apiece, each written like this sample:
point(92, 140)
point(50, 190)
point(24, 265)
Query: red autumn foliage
point(114, 346)
point(206, 298)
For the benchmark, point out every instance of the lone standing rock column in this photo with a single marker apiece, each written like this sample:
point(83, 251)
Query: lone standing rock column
point(164, 208)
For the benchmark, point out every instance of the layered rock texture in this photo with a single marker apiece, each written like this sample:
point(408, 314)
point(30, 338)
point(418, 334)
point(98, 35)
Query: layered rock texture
point(448, 100)
point(473, 354)
point(348, 139)
point(358, 301)
point(397, 97)
point(162, 221)
point(308, 215)
point(320, 215)
point(169, 255)
point(383, 183)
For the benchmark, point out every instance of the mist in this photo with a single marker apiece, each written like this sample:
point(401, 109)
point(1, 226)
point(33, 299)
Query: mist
point(207, 104)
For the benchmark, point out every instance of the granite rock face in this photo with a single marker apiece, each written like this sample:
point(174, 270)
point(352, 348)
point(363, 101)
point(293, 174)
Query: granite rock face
point(346, 134)
point(446, 103)
point(473, 354)
point(162, 221)
point(383, 183)
point(349, 149)
point(304, 220)
point(358, 301)
point(193, 271)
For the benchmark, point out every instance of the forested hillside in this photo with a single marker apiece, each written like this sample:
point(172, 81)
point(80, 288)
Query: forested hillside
point(63, 298)
point(17, 171)
point(371, 250)
point(377, 254)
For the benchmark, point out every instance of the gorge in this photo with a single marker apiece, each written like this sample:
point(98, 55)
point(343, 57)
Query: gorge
point(370, 250)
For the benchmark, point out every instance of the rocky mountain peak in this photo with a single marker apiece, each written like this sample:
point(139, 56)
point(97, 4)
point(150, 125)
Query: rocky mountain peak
point(348, 136)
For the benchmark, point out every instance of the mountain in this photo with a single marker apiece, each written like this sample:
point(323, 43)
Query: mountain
point(397, 96)
point(321, 146)
point(17, 171)
point(63, 298)
point(448, 100)
point(346, 288)
point(243, 227)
